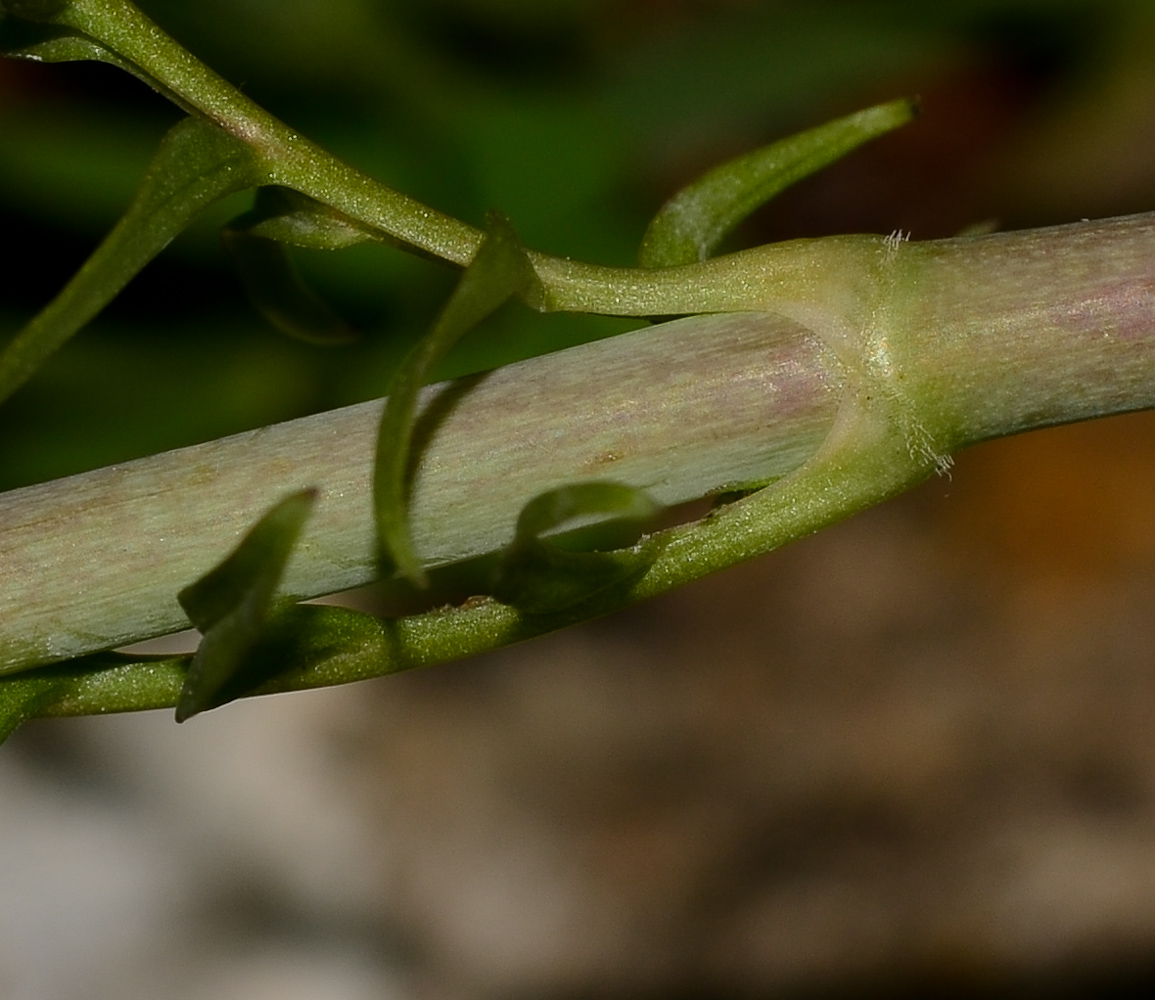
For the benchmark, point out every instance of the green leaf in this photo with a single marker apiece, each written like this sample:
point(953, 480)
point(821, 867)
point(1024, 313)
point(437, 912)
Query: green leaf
point(47, 42)
point(196, 165)
point(255, 241)
point(499, 270)
point(232, 605)
point(284, 215)
point(691, 225)
point(303, 646)
point(287, 216)
point(20, 39)
point(545, 570)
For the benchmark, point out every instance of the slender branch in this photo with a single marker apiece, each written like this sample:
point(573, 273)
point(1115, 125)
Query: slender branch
point(293, 161)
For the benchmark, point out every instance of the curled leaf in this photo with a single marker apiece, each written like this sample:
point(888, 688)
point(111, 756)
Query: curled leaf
point(499, 270)
point(548, 568)
point(232, 606)
point(689, 227)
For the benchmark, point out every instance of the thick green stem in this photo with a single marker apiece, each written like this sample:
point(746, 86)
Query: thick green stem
point(878, 369)
point(1011, 331)
point(679, 410)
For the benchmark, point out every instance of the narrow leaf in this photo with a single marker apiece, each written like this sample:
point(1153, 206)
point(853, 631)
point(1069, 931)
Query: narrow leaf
point(232, 605)
point(196, 165)
point(303, 646)
point(689, 227)
point(545, 570)
point(49, 42)
point(499, 270)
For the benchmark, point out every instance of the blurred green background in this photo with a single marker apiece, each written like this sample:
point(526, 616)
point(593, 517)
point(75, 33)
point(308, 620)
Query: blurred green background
point(576, 118)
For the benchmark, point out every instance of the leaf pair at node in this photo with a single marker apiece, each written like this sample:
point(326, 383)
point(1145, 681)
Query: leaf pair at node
point(540, 572)
point(237, 606)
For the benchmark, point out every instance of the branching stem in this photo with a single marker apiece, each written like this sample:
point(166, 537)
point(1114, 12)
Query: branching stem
point(862, 385)
point(824, 375)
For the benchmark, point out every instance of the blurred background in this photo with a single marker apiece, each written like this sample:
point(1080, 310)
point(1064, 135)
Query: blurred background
point(911, 756)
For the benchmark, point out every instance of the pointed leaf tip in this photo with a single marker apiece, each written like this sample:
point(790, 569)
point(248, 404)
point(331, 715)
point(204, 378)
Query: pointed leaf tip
point(232, 603)
point(691, 225)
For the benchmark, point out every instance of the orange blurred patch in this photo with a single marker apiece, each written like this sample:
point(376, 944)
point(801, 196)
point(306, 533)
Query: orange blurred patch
point(1070, 502)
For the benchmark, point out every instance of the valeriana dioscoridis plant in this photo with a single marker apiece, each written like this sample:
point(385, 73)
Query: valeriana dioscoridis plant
point(802, 382)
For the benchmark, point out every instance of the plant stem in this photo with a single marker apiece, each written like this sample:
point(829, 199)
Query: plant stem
point(291, 159)
point(1011, 331)
point(96, 560)
point(877, 371)
point(840, 371)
